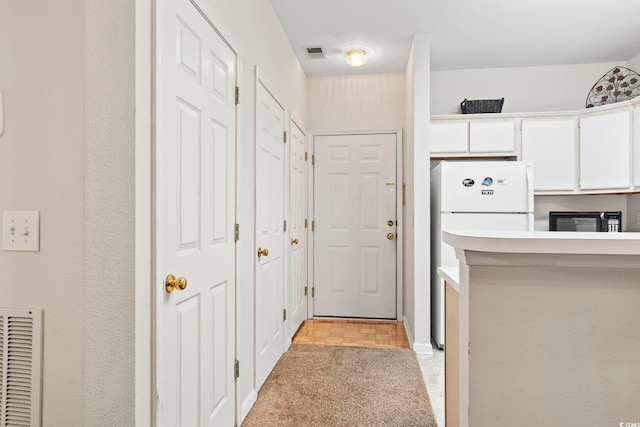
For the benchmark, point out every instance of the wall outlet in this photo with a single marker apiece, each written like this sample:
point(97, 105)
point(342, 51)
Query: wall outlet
point(21, 231)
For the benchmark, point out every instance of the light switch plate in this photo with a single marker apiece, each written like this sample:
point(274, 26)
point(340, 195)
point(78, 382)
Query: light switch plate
point(638, 217)
point(21, 231)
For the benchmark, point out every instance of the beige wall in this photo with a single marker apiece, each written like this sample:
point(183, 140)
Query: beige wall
point(42, 78)
point(109, 257)
point(525, 89)
point(361, 102)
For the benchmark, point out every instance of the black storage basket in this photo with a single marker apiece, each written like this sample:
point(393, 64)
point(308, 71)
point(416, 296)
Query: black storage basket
point(470, 106)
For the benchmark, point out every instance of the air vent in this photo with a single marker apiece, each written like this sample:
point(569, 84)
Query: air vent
point(20, 367)
point(315, 52)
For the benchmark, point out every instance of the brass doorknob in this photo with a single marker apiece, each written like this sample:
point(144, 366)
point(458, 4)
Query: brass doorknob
point(263, 252)
point(389, 236)
point(294, 241)
point(173, 283)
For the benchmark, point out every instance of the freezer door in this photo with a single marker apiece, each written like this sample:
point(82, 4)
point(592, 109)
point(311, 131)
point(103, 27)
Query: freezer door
point(487, 187)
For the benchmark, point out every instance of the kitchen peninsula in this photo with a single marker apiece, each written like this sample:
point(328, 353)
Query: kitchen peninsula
point(543, 329)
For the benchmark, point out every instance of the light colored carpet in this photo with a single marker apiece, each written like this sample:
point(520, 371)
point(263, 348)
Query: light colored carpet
point(314, 385)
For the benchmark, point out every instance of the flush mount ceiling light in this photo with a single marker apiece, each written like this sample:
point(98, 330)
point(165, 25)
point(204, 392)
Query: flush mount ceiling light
point(356, 57)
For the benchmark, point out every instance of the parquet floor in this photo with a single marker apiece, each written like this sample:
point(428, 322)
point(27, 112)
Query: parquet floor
point(354, 333)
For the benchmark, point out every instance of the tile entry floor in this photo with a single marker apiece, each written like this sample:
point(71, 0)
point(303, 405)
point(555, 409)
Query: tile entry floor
point(378, 334)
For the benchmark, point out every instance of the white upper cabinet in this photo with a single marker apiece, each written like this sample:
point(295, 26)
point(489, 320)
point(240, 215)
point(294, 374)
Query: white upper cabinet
point(636, 147)
point(492, 137)
point(449, 137)
point(550, 145)
point(604, 151)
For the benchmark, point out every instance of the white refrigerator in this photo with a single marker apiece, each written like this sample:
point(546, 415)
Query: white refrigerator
point(479, 196)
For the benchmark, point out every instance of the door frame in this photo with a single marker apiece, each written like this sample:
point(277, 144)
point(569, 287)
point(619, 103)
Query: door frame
point(399, 212)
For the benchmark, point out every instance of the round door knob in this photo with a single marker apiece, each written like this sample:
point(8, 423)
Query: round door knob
point(173, 283)
point(294, 241)
point(263, 252)
point(390, 236)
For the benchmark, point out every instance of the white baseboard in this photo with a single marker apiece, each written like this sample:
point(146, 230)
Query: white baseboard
point(247, 405)
point(417, 347)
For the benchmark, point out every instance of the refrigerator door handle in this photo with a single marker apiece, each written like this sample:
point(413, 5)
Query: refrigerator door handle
point(529, 168)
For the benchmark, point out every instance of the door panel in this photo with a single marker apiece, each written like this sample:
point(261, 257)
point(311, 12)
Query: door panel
point(194, 227)
point(354, 199)
point(298, 230)
point(269, 232)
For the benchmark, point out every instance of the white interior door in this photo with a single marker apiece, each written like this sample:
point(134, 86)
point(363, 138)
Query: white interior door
point(355, 226)
point(298, 227)
point(270, 123)
point(194, 219)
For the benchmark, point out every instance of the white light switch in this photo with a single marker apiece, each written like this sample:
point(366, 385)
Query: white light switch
point(21, 231)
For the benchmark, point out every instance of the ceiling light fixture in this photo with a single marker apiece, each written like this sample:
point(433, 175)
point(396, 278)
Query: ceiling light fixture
point(356, 57)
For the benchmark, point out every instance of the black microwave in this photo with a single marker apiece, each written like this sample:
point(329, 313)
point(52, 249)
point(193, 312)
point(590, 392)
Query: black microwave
point(593, 221)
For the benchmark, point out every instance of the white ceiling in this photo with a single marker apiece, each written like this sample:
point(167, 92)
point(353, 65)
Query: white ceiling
point(464, 33)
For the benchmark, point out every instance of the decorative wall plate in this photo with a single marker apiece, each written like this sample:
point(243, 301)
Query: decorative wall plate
point(617, 85)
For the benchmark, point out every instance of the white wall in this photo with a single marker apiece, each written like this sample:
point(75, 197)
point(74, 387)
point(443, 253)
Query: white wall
point(42, 77)
point(370, 101)
point(634, 63)
point(525, 89)
point(417, 295)
point(262, 42)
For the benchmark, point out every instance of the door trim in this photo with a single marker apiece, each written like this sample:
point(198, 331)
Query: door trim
point(399, 212)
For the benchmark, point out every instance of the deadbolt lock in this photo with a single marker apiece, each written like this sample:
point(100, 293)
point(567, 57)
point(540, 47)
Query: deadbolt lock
point(390, 223)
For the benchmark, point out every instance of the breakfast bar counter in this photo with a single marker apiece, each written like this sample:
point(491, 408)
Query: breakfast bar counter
point(546, 331)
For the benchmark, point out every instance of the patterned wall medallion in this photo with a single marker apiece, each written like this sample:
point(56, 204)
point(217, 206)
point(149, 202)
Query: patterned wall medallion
point(617, 85)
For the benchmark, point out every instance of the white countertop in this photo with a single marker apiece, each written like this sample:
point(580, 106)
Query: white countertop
point(546, 242)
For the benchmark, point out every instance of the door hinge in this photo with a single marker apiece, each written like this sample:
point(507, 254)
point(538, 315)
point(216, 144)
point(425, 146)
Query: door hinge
point(285, 137)
point(313, 292)
point(284, 314)
point(285, 225)
point(306, 156)
point(313, 160)
point(305, 291)
point(237, 95)
point(306, 223)
point(236, 369)
point(237, 232)
point(313, 225)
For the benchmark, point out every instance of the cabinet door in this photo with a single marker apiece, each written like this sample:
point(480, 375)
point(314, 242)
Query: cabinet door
point(604, 151)
point(491, 137)
point(636, 146)
point(550, 145)
point(449, 137)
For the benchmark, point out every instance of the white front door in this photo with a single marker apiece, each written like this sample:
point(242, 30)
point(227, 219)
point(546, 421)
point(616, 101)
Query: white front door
point(194, 220)
point(270, 127)
point(298, 227)
point(355, 226)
